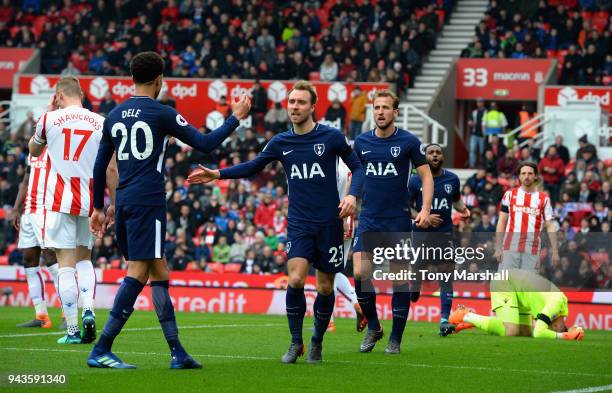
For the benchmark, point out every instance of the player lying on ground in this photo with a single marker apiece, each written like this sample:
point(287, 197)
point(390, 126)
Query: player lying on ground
point(517, 302)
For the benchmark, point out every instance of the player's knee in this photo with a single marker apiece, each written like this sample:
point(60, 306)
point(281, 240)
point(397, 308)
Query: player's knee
point(325, 288)
point(296, 281)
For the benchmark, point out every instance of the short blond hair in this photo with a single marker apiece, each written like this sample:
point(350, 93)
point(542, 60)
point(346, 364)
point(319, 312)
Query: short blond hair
point(70, 86)
point(305, 85)
point(387, 93)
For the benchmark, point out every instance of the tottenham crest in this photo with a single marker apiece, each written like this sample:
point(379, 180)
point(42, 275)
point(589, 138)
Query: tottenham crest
point(395, 151)
point(319, 149)
point(448, 188)
point(288, 246)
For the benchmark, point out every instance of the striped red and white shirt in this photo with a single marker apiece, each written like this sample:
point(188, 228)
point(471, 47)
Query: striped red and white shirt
point(343, 174)
point(528, 213)
point(35, 195)
point(73, 136)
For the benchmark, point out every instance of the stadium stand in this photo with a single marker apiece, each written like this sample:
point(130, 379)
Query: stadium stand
point(577, 34)
point(208, 39)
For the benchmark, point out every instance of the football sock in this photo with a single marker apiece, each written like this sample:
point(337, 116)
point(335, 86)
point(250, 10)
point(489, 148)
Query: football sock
point(344, 287)
point(54, 272)
point(400, 304)
point(488, 324)
point(323, 309)
point(86, 276)
point(121, 311)
point(165, 315)
point(367, 301)
point(296, 308)
point(69, 296)
point(36, 287)
point(446, 299)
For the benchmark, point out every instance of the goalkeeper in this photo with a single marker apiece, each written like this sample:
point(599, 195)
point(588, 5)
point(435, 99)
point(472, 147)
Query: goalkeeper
point(524, 297)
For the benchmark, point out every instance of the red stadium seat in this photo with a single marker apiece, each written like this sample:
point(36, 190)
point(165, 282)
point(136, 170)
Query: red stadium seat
point(116, 263)
point(232, 268)
point(314, 76)
point(192, 266)
point(215, 267)
point(3, 260)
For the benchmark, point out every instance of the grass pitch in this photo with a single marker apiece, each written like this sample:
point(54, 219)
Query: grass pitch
point(241, 353)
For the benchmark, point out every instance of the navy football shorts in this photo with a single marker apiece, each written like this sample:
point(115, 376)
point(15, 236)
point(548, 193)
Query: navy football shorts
point(321, 244)
point(395, 225)
point(141, 231)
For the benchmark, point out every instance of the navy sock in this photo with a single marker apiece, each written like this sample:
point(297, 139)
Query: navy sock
point(296, 308)
point(446, 299)
point(367, 301)
point(122, 309)
point(400, 303)
point(323, 310)
point(165, 315)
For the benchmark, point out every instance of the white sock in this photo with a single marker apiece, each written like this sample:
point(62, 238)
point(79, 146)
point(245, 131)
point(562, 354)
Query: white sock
point(36, 286)
point(86, 276)
point(69, 295)
point(54, 271)
point(343, 285)
point(474, 318)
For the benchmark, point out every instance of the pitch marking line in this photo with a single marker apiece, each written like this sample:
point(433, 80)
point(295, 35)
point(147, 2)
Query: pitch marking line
point(588, 390)
point(153, 328)
point(433, 366)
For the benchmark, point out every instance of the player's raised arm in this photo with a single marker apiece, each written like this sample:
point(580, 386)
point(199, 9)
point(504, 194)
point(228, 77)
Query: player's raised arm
point(240, 171)
point(188, 134)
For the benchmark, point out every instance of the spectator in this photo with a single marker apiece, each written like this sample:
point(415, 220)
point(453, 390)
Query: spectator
point(562, 150)
point(507, 165)
point(497, 147)
point(70, 70)
point(238, 250)
point(570, 186)
point(260, 104)
point(357, 111)
point(494, 121)
point(276, 118)
point(25, 130)
point(264, 215)
point(329, 69)
point(336, 112)
point(552, 169)
point(107, 104)
point(221, 251)
point(476, 132)
point(586, 152)
point(250, 264)
point(485, 224)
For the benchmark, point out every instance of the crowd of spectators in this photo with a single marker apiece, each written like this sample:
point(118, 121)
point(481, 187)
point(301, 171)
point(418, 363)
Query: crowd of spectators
point(576, 33)
point(322, 40)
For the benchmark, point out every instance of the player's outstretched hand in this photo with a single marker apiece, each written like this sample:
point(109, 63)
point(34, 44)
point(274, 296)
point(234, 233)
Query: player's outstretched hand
point(574, 333)
point(241, 107)
point(203, 175)
point(422, 219)
point(96, 223)
point(435, 220)
point(347, 206)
